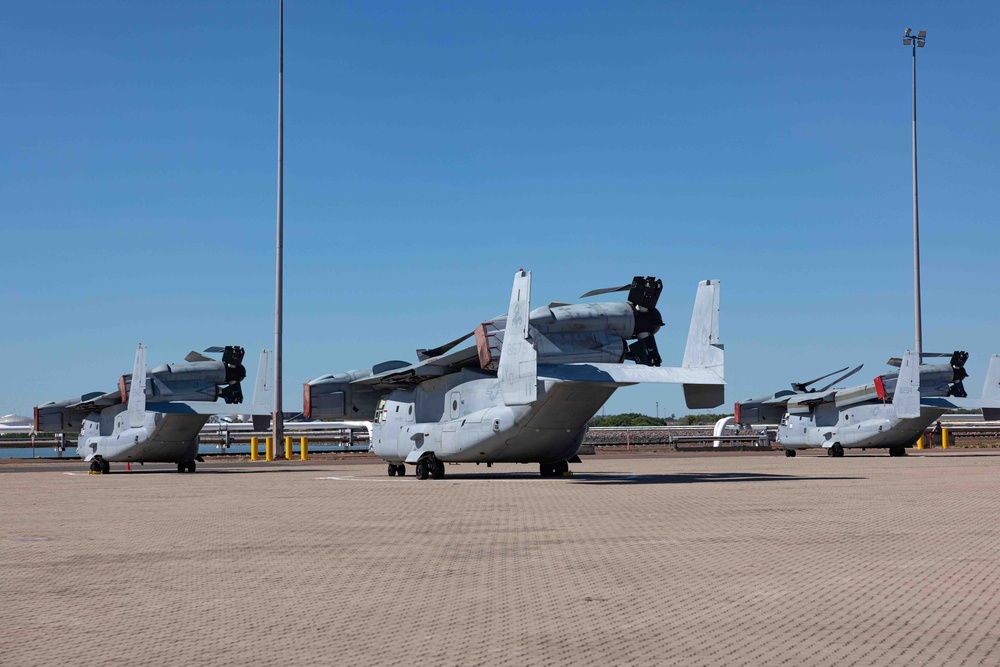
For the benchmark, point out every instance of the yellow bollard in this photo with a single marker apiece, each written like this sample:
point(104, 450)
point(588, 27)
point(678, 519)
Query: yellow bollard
point(304, 449)
point(253, 448)
point(920, 443)
point(288, 448)
point(945, 437)
point(269, 449)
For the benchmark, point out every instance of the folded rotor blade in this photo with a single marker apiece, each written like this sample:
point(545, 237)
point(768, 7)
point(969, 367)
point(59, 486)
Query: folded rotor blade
point(801, 386)
point(842, 377)
point(423, 355)
point(193, 356)
point(606, 290)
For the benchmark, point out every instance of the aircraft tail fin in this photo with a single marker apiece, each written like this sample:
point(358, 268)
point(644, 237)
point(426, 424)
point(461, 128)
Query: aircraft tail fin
point(703, 350)
point(137, 390)
point(263, 388)
point(991, 390)
point(906, 398)
point(518, 369)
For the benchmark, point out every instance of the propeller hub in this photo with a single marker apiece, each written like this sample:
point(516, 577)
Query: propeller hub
point(647, 322)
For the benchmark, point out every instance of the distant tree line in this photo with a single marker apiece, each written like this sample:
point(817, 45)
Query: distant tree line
point(637, 419)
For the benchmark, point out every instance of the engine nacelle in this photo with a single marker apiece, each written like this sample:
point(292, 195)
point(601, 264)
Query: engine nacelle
point(757, 411)
point(55, 417)
point(333, 397)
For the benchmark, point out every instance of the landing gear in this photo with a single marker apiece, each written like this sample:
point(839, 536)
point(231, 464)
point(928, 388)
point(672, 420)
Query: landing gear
point(897, 450)
point(835, 450)
point(422, 469)
point(560, 469)
point(790, 453)
point(437, 469)
point(395, 469)
point(99, 466)
point(105, 467)
point(392, 470)
point(187, 466)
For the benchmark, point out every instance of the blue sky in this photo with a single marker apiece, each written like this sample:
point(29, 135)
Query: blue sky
point(433, 149)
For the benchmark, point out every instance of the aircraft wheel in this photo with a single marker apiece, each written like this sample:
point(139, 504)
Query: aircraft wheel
point(837, 449)
point(546, 469)
point(422, 469)
point(789, 453)
point(401, 469)
point(95, 465)
point(392, 470)
point(181, 467)
point(105, 467)
point(829, 451)
point(561, 468)
point(437, 470)
point(191, 466)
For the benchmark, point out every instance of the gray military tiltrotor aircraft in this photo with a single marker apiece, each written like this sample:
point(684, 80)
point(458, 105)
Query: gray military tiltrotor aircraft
point(892, 411)
point(156, 415)
point(526, 390)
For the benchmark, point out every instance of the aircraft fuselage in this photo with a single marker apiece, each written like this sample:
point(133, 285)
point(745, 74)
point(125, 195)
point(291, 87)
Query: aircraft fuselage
point(461, 418)
point(860, 426)
point(162, 438)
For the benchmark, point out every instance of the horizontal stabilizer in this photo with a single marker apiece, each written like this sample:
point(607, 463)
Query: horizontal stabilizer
point(627, 374)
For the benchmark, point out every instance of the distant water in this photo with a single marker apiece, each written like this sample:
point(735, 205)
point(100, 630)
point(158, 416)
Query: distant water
point(48, 452)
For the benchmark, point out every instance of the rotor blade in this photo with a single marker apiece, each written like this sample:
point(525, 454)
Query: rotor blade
point(842, 377)
point(193, 356)
point(606, 290)
point(801, 386)
point(438, 351)
point(215, 349)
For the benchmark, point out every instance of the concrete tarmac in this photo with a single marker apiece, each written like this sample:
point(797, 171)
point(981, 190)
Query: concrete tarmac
point(707, 559)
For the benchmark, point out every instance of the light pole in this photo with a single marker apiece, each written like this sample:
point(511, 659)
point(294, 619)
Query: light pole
point(277, 418)
point(657, 409)
point(914, 41)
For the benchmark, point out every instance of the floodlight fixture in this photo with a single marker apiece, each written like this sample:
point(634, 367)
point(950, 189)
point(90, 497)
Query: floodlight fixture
point(906, 41)
point(906, 32)
point(921, 34)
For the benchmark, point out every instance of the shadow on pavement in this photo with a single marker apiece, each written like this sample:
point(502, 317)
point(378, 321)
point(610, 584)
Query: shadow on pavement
point(695, 478)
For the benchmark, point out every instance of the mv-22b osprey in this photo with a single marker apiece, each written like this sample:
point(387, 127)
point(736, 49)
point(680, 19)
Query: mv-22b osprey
point(156, 415)
point(526, 390)
point(892, 411)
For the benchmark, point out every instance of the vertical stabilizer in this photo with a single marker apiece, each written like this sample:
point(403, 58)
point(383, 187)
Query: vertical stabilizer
point(906, 398)
point(990, 400)
point(137, 390)
point(263, 389)
point(518, 370)
point(703, 348)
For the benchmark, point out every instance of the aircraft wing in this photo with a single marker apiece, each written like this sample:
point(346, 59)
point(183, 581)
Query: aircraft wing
point(627, 374)
point(95, 401)
point(423, 370)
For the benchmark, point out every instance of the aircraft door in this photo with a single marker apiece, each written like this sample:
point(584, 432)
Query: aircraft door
point(454, 404)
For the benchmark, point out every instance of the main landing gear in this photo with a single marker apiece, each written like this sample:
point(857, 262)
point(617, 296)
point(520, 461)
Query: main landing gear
point(897, 450)
point(835, 450)
point(98, 466)
point(560, 469)
point(426, 467)
point(187, 466)
point(790, 453)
